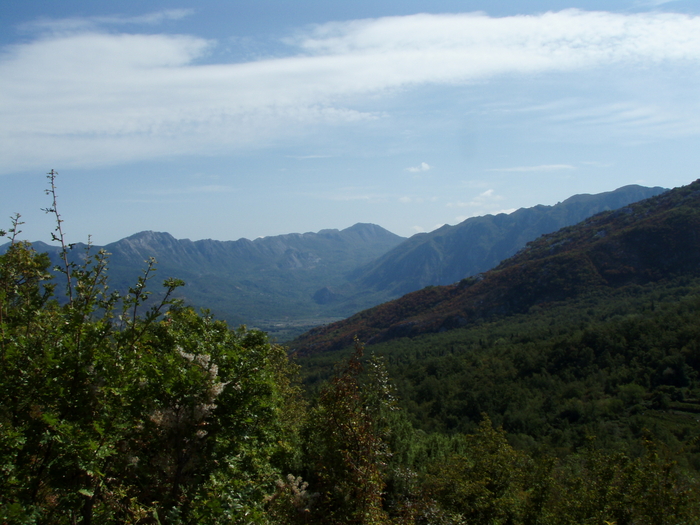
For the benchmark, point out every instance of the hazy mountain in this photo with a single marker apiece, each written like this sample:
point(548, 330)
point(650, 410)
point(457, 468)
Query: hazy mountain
point(646, 241)
point(326, 251)
point(451, 253)
point(271, 282)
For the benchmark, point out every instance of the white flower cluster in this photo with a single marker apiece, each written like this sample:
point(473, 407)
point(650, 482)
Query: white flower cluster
point(175, 416)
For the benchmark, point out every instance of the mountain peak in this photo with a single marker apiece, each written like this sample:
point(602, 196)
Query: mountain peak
point(149, 235)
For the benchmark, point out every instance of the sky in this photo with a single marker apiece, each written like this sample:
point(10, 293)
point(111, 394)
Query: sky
point(224, 119)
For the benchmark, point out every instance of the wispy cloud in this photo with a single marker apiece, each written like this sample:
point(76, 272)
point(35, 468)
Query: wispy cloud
point(423, 166)
point(462, 218)
point(92, 23)
point(629, 116)
point(83, 97)
point(487, 197)
point(652, 3)
point(542, 167)
point(486, 202)
point(673, 115)
point(420, 229)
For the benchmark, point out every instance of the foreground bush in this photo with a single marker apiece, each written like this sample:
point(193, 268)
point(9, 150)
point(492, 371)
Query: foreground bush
point(114, 412)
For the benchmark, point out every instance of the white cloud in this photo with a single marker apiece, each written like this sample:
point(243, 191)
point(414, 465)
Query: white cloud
point(151, 18)
point(485, 198)
point(648, 114)
point(543, 167)
point(627, 117)
point(84, 97)
point(473, 45)
point(423, 166)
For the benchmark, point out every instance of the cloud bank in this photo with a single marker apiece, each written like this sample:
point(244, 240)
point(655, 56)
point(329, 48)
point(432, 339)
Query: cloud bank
point(83, 97)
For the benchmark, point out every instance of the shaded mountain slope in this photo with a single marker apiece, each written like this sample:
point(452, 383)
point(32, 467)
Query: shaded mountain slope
point(451, 253)
point(639, 243)
point(248, 281)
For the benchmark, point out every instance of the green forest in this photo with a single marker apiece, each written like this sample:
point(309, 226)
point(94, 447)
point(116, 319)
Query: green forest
point(134, 408)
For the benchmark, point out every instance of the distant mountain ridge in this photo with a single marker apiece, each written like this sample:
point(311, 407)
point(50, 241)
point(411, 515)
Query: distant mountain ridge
point(451, 253)
point(639, 243)
point(327, 248)
point(259, 281)
point(269, 282)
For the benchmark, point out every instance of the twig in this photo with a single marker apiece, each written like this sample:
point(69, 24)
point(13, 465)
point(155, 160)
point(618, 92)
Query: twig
point(59, 229)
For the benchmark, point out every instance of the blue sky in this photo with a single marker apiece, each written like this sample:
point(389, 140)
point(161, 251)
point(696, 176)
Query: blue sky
point(229, 119)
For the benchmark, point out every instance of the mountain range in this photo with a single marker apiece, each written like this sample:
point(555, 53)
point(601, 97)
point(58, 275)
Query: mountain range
point(288, 283)
point(475, 245)
point(637, 244)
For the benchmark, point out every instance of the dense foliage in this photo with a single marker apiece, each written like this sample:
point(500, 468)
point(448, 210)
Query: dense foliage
point(597, 401)
point(602, 365)
point(109, 415)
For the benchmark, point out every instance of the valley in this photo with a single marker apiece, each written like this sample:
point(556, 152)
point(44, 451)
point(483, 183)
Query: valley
point(290, 283)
